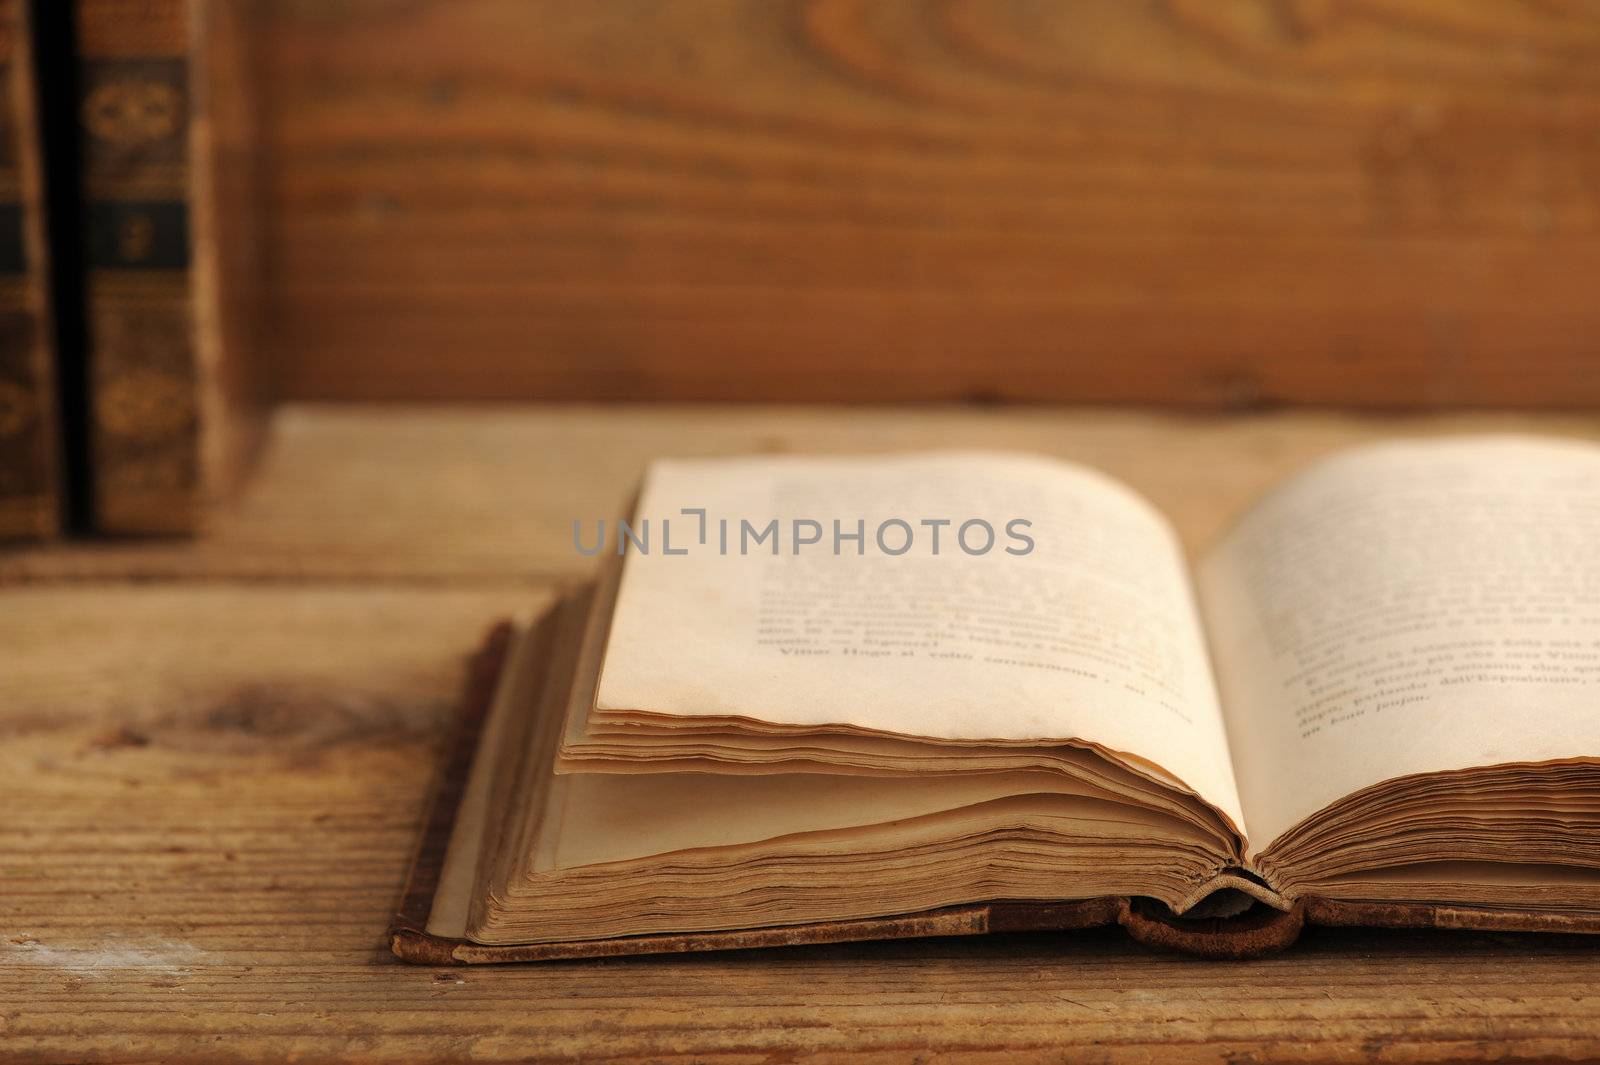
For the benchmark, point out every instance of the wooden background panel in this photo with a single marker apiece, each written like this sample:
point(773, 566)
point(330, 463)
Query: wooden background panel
point(1383, 203)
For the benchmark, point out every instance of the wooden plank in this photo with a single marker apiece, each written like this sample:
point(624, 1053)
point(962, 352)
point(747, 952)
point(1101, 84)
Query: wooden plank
point(210, 796)
point(1191, 204)
point(438, 494)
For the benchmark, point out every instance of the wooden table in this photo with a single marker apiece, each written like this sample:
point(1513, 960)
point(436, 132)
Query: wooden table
point(214, 755)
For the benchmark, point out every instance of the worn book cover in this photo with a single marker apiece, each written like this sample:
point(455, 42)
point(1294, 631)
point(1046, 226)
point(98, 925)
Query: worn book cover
point(143, 373)
point(31, 487)
point(169, 207)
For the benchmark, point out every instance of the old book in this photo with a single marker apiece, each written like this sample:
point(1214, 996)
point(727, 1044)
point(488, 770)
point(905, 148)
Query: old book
point(174, 411)
point(814, 699)
point(31, 497)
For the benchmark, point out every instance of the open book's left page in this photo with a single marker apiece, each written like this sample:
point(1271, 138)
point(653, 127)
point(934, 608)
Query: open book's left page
point(539, 857)
point(906, 612)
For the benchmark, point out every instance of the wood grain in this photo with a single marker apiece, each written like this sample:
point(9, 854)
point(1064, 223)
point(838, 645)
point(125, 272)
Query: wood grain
point(1388, 203)
point(211, 795)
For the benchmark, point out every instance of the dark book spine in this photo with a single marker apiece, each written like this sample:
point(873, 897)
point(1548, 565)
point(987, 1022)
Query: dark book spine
point(30, 478)
point(135, 110)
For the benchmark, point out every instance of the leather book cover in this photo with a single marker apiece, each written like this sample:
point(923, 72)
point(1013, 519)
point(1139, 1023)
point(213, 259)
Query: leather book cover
point(1257, 931)
point(30, 461)
point(134, 111)
point(171, 210)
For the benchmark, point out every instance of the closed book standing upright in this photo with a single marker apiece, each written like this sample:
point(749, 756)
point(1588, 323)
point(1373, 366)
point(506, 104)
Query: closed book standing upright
point(134, 111)
point(30, 478)
point(169, 211)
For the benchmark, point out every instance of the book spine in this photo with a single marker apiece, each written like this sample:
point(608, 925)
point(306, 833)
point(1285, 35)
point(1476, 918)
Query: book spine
point(30, 464)
point(134, 108)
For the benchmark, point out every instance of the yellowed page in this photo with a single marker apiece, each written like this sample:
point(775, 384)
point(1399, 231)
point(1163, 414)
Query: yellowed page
point(1408, 608)
point(1091, 635)
point(601, 818)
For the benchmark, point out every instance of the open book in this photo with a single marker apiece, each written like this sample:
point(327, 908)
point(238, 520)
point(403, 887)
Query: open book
point(807, 692)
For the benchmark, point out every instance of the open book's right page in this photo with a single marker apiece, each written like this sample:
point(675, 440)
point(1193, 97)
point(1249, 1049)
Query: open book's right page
point(1408, 608)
